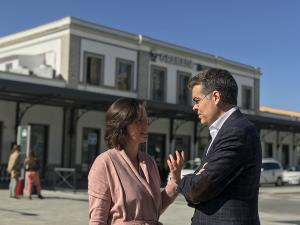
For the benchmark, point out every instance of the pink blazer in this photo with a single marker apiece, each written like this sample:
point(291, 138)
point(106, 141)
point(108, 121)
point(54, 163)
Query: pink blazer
point(119, 194)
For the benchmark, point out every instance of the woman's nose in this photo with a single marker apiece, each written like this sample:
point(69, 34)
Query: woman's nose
point(195, 107)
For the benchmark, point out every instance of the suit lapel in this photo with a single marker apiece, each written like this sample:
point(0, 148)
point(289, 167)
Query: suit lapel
point(236, 114)
point(203, 158)
point(205, 150)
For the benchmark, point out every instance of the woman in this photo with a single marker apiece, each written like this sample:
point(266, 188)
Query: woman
point(13, 168)
point(32, 166)
point(124, 183)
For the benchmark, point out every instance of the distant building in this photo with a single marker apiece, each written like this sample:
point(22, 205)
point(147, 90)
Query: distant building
point(61, 77)
point(282, 138)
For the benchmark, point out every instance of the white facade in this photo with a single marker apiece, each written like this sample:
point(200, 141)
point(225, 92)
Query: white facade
point(48, 48)
point(7, 118)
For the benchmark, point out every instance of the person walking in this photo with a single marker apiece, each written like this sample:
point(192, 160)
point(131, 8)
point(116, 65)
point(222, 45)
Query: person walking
point(32, 166)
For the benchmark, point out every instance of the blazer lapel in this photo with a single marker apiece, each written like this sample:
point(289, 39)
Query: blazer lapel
point(205, 150)
point(203, 158)
point(236, 114)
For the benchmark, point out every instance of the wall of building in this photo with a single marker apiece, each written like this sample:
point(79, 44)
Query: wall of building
point(244, 81)
point(110, 53)
point(65, 60)
point(278, 139)
point(53, 118)
point(171, 79)
point(50, 44)
point(187, 128)
point(7, 117)
point(90, 119)
point(161, 126)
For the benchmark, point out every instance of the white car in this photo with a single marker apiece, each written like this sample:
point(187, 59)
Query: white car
point(292, 175)
point(190, 166)
point(271, 172)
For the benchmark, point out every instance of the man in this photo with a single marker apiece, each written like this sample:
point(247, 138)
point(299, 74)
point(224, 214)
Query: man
point(224, 190)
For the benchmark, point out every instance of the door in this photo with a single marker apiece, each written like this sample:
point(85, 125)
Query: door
point(90, 148)
point(156, 147)
point(285, 156)
point(39, 145)
point(1, 127)
point(183, 142)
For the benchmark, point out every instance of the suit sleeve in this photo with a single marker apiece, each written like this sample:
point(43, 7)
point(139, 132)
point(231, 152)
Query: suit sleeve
point(225, 164)
point(99, 193)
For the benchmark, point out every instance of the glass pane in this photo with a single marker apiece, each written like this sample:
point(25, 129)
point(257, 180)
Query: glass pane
point(285, 155)
point(90, 147)
point(183, 91)
point(1, 127)
point(182, 142)
point(269, 150)
point(93, 72)
point(158, 83)
point(246, 98)
point(156, 148)
point(124, 75)
point(38, 144)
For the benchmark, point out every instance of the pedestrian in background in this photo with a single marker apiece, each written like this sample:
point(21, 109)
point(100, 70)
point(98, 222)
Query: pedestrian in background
point(32, 166)
point(13, 168)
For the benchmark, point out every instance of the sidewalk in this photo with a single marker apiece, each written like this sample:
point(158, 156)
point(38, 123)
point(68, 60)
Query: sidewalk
point(58, 208)
point(68, 208)
point(286, 189)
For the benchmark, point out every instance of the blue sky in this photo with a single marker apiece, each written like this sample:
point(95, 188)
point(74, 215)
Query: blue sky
point(261, 33)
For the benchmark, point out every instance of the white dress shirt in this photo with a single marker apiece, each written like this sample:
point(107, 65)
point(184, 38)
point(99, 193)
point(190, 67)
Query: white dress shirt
point(216, 126)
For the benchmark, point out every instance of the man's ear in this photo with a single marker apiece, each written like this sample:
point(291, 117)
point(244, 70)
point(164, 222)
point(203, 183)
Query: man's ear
point(216, 97)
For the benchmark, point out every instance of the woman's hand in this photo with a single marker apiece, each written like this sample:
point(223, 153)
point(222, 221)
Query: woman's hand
point(175, 165)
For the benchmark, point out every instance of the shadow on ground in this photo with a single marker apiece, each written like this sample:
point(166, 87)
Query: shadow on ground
point(65, 198)
point(19, 212)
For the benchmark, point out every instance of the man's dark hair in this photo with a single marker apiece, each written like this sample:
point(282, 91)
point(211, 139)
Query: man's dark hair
point(119, 115)
point(217, 80)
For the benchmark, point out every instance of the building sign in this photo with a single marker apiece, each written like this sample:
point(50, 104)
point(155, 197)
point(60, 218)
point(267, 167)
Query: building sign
point(171, 59)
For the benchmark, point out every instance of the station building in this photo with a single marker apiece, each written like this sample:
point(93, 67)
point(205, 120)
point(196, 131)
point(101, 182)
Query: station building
point(61, 77)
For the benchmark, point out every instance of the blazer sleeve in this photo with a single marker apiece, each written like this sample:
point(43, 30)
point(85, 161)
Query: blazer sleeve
point(99, 193)
point(225, 164)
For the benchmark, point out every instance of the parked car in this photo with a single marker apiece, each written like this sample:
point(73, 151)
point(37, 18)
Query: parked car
point(271, 172)
point(190, 166)
point(292, 175)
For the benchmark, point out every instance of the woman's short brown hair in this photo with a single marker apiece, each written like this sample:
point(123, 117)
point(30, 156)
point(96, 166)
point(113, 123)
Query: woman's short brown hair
point(119, 115)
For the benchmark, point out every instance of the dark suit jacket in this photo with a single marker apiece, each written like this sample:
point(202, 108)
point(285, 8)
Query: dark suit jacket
point(226, 192)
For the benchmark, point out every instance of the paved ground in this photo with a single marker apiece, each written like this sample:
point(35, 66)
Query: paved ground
point(67, 208)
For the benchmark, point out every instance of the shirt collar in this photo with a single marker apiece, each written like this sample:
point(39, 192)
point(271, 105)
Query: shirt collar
point(216, 126)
